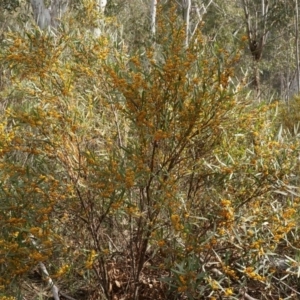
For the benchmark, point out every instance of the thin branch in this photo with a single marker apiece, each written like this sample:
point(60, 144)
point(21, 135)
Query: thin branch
point(43, 269)
point(49, 281)
point(292, 289)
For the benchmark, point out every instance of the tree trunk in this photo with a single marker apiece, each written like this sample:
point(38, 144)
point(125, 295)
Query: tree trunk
point(257, 32)
point(41, 14)
point(256, 79)
point(186, 5)
point(102, 4)
point(153, 17)
point(297, 45)
point(46, 17)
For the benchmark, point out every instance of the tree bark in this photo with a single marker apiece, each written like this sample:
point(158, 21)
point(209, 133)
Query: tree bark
point(41, 14)
point(102, 4)
point(257, 36)
point(153, 16)
point(186, 6)
point(297, 45)
point(46, 17)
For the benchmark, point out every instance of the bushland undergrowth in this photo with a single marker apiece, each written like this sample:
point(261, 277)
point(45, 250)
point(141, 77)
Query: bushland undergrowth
point(142, 174)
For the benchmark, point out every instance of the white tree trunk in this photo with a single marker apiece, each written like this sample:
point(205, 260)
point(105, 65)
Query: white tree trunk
point(48, 17)
point(102, 5)
point(153, 16)
point(41, 14)
point(186, 5)
point(297, 45)
point(58, 8)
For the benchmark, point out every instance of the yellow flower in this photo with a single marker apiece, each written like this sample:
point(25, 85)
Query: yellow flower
point(36, 231)
point(35, 255)
point(225, 203)
point(221, 231)
point(159, 135)
point(214, 284)
point(228, 292)
point(182, 289)
point(129, 178)
point(249, 271)
point(90, 261)
point(182, 279)
point(161, 243)
point(175, 219)
point(62, 270)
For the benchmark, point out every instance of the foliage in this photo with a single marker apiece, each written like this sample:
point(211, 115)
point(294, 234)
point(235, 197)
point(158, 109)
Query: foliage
point(145, 173)
point(289, 116)
point(9, 5)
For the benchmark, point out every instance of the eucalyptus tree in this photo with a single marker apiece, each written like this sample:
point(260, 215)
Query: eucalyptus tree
point(153, 16)
point(297, 43)
point(186, 7)
point(47, 17)
point(263, 20)
point(41, 14)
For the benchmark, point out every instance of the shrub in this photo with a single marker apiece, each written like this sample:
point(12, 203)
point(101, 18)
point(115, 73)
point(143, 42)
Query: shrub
point(128, 169)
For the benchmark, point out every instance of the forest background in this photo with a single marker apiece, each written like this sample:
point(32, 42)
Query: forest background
point(149, 149)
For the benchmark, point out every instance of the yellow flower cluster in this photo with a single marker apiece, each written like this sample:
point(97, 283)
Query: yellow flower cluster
point(228, 292)
point(35, 255)
point(213, 284)
point(227, 212)
point(91, 258)
point(225, 203)
point(116, 205)
point(62, 270)
point(230, 272)
point(36, 231)
point(183, 287)
point(133, 211)
point(289, 213)
point(159, 135)
point(175, 219)
point(182, 279)
point(249, 271)
point(161, 243)
point(129, 178)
